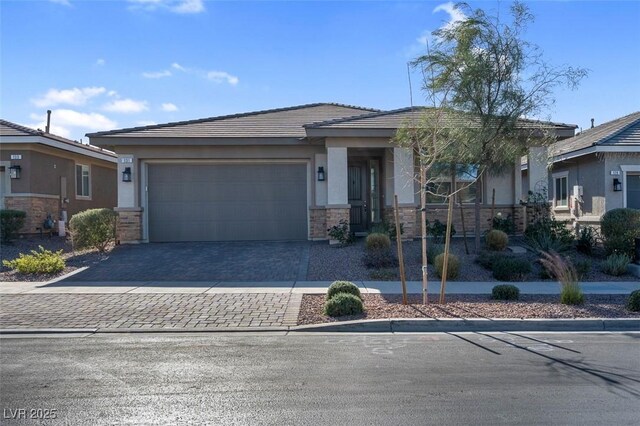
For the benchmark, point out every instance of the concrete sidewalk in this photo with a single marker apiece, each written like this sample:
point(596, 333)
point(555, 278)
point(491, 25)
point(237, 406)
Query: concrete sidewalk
point(298, 287)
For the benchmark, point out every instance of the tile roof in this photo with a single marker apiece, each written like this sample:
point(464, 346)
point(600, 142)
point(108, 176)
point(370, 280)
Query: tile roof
point(621, 131)
point(281, 122)
point(9, 129)
point(394, 119)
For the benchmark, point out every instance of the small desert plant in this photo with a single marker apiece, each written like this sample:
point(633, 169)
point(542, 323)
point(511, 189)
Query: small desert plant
point(586, 240)
point(497, 240)
point(583, 267)
point(616, 264)
point(433, 250)
point(486, 258)
point(384, 274)
point(343, 287)
point(93, 228)
point(10, 223)
point(506, 268)
point(619, 228)
point(548, 235)
point(340, 232)
point(438, 231)
point(377, 241)
point(379, 258)
point(38, 262)
point(453, 266)
point(505, 292)
point(565, 273)
point(633, 303)
point(506, 225)
point(387, 228)
point(343, 304)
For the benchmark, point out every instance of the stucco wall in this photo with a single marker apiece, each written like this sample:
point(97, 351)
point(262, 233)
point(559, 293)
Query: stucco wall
point(613, 161)
point(588, 172)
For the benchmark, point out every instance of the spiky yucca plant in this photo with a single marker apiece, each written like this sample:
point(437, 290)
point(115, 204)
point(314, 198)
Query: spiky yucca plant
point(565, 273)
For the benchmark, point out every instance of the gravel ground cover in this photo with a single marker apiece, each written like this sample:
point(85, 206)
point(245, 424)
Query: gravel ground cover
point(470, 306)
point(330, 263)
point(25, 245)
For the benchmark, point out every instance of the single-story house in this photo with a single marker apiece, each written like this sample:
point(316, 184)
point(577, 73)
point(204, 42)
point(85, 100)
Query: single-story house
point(44, 174)
point(280, 174)
point(595, 171)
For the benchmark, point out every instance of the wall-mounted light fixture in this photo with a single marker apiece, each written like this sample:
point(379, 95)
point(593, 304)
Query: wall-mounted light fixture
point(14, 172)
point(126, 174)
point(617, 185)
point(321, 176)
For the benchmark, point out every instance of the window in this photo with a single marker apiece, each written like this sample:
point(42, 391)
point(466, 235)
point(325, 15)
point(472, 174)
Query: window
point(466, 184)
point(83, 185)
point(561, 190)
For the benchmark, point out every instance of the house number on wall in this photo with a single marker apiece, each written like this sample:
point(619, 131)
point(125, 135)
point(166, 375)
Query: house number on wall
point(126, 160)
point(615, 172)
point(16, 156)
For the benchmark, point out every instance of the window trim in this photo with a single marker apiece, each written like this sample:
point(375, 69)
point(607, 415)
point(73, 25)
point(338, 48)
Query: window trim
point(627, 168)
point(556, 176)
point(80, 196)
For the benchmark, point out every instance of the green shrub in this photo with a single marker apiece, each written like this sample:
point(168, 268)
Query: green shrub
point(38, 262)
point(384, 274)
point(548, 235)
point(343, 287)
point(506, 225)
point(486, 258)
point(510, 268)
point(586, 240)
point(377, 241)
point(438, 231)
point(453, 266)
point(379, 258)
point(497, 240)
point(616, 264)
point(93, 228)
point(583, 267)
point(619, 228)
point(343, 304)
point(505, 292)
point(433, 250)
point(387, 228)
point(633, 303)
point(571, 294)
point(10, 223)
point(340, 232)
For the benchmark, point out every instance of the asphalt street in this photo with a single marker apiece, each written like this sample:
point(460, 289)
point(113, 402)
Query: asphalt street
point(325, 379)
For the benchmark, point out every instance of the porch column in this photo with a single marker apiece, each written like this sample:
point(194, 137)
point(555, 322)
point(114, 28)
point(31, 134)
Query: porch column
point(538, 174)
point(403, 187)
point(337, 186)
point(129, 225)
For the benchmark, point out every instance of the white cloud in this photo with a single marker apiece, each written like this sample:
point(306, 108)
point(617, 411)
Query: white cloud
point(75, 96)
point(221, 77)
point(63, 118)
point(176, 6)
point(62, 2)
point(157, 74)
point(178, 67)
point(112, 93)
point(101, 62)
point(169, 107)
point(455, 15)
point(126, 106)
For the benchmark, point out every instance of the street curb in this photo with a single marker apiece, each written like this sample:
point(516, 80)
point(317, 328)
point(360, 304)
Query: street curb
point(27, 331)
point(428, 325)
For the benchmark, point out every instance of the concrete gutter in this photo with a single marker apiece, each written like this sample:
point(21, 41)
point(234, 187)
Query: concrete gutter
point(394, 325)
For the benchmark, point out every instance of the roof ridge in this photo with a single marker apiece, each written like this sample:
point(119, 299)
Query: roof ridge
point(21, 127)
point(225, 117)
point(613, 133)
point(363, 116)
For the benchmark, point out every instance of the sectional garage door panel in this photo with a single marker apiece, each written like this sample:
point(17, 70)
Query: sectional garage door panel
point(227, 202)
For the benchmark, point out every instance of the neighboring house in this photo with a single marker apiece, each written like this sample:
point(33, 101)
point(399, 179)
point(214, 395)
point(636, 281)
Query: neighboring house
point(44, 174)
point(596, 171)
point(281, 174)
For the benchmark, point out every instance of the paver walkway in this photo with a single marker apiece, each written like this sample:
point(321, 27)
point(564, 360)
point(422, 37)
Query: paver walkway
point(148, 311)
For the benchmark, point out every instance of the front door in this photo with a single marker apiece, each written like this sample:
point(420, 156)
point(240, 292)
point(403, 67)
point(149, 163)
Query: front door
point(357, 176)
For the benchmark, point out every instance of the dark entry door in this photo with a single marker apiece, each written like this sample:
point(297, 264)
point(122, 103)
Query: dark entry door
point(357, 176)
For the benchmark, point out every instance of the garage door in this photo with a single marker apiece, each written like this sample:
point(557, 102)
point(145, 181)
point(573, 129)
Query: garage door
point(227, 202)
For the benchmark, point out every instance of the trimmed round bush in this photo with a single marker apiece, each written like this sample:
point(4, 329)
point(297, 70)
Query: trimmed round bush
point(10, 223)
point(619, 228)
point(497, 240)
point(338, 287)
point(453, 266)
point(633, 304)
point(379, 258)
point(510, 268)
point(377, 241)
point(486, 258)
point(505, 292)
point(93, 228)
point(343, 304)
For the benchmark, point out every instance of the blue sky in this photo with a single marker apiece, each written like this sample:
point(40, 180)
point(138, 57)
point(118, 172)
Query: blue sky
point(101, 65)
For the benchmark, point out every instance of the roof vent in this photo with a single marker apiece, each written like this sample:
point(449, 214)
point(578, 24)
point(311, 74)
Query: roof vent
point(592, 120)
point(46, 129)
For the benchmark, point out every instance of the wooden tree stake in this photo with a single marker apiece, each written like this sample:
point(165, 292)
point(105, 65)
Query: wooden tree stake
point(445, 265)
point(400, 257)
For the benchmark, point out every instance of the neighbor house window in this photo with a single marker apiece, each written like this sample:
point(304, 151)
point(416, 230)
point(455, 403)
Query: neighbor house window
point(83, 181)
point(440, 185)
point(561, 190)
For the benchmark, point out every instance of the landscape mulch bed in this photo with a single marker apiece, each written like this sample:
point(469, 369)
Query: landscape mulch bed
point(379, 306)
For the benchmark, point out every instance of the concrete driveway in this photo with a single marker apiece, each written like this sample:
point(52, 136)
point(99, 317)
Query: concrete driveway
point(202, 261)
